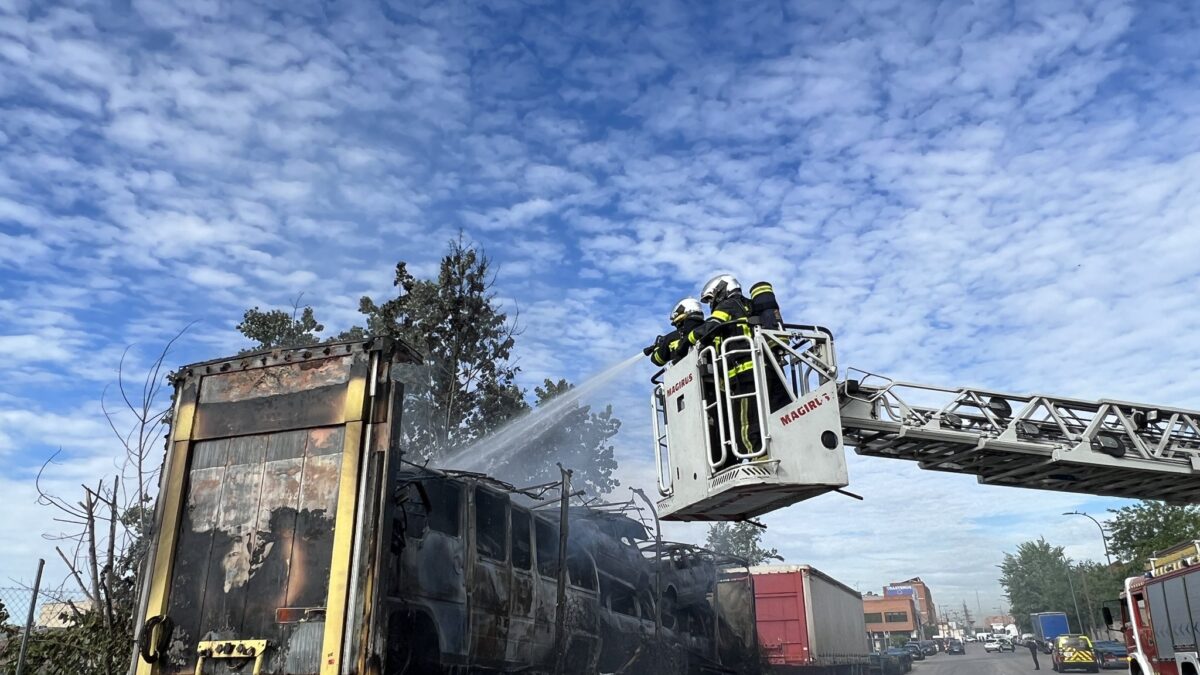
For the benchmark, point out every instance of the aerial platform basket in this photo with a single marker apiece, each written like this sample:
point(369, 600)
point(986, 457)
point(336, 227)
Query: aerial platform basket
point(703, 472)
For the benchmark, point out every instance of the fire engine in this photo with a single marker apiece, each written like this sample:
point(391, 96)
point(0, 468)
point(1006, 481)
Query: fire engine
point(1160, 619)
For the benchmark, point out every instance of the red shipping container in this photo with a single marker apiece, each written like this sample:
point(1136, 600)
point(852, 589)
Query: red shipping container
point(807, 619)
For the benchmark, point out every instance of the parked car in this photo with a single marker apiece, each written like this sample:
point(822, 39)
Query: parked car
point(884, 664)
point(1111, 654)
point(1074, 652)
point(914, 648)
point(956, 647)
point(902, 655)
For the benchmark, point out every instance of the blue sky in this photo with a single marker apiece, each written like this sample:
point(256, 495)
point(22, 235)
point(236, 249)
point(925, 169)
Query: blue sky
point(994, 193)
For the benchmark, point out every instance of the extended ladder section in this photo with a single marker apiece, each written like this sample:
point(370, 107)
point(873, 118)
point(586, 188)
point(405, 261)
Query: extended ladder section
point(1105, 447)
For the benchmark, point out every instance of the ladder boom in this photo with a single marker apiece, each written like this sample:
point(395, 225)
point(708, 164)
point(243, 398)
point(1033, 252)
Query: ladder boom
point(1105, 447)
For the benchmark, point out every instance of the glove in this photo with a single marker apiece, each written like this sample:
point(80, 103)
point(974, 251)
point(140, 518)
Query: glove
point(657, 342)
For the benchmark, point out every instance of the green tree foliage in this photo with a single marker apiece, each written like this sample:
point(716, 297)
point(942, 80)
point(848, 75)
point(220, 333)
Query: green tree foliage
point(466, 338)
point(278, 328)
point(1137, 532)
point(1101, 585)
point(1035, 580)
point(743, 540)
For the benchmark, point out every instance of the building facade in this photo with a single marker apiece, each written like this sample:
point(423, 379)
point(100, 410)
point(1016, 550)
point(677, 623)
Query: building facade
point(919, 592)
point(887, 617)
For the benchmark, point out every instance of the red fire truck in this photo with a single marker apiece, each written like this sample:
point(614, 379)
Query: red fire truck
point(1160, 618)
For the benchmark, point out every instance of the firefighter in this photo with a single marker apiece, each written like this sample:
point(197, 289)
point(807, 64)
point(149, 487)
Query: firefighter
point(764, 310)
point(672, 347)
point(730, 317)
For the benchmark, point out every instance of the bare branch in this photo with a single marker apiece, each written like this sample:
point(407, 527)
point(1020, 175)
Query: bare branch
point(110, 560)
point(90, 505)
point(74, 573)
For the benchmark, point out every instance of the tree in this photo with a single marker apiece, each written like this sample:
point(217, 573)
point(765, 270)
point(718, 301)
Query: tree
point(466, 338)
point(1137, 532)
point(742, 540)
point(278, 328)
point(1103, 585)
point(1035, 580)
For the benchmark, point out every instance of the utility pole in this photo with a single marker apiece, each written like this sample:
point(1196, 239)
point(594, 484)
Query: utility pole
point(560, 605)
point(1071, 585)
point(1087, 600)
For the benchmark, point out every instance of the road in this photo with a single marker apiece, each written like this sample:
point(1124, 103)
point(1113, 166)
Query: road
point(978, 662)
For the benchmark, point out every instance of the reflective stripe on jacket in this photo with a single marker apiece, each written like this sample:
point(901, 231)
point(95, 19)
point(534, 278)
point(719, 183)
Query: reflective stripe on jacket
point(728, 319)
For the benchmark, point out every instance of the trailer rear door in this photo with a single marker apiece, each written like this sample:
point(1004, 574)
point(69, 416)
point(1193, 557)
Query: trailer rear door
point(257, 516)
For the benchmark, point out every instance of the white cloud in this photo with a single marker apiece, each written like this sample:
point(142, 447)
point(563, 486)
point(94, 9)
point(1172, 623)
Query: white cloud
point(213, 278)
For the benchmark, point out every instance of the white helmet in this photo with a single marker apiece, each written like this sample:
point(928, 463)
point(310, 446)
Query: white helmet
point(718, 288)
point(686, 307)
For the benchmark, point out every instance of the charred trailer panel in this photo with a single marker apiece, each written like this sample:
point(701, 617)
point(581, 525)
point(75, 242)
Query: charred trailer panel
point(265, 558)
point(474, 581)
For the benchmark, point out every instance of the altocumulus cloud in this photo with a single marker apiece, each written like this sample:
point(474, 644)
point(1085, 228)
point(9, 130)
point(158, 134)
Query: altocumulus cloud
point(999, 193)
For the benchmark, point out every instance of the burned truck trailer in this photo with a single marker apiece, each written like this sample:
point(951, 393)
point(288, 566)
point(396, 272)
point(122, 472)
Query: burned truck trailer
point(293, 536)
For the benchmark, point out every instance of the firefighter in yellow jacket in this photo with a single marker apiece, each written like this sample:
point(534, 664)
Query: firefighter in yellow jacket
point(730, 317)
point(686, 316)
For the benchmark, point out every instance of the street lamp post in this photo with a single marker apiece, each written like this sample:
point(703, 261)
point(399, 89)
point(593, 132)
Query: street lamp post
point(1103, 536)
point(1071, 585)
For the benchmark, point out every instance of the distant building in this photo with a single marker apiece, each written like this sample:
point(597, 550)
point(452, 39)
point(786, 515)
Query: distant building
point(951, 629)
point(59, 614)
point(919, 592)
point(889, 616)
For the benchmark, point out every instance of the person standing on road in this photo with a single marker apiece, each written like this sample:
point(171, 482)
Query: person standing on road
point(1033, 650)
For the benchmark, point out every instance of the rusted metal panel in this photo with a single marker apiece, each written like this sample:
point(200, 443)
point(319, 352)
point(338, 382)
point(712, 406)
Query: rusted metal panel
point(312, 548)
point(312, 408)
point(243, 385)
point(266, 590)
point(192, 561)
point(303, 648)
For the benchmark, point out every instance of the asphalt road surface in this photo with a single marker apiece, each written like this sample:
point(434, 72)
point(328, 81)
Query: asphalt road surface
point(978, 662)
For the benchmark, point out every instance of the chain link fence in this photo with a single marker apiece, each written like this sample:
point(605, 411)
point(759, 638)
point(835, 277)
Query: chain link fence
point(54, 607)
